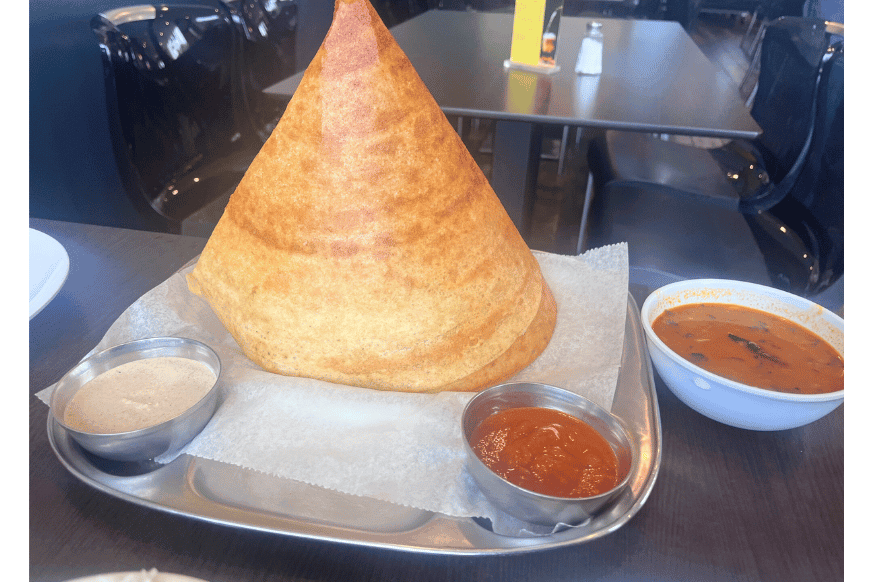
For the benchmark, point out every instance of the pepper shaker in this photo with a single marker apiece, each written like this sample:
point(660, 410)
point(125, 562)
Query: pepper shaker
point(590, 60)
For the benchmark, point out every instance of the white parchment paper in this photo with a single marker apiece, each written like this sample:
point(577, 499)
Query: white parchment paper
point(401, 448)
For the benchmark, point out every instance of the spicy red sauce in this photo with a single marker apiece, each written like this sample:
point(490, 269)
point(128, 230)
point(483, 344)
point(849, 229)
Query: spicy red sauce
point(546, 451)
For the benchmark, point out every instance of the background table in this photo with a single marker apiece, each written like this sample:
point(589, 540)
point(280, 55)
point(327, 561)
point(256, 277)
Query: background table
point(728, 504)
point(654, 79)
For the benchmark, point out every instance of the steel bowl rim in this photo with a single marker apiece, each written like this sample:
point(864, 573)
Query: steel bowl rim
point(148, 430)
point(541, 496)
point(706, 374)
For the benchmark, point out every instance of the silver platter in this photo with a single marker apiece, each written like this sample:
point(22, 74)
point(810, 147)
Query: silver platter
point(232, 496)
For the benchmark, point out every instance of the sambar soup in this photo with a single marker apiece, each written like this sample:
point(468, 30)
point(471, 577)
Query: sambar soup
point(752, 347)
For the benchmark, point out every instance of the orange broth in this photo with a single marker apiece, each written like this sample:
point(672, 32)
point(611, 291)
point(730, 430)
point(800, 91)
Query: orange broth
point(546, 451)
point(752, 347)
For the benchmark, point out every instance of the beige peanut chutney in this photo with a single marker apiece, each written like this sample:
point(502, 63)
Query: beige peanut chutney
point(138, 394)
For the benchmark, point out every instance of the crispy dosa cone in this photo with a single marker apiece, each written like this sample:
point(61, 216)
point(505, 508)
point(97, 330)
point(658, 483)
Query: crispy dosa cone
point(364, 245)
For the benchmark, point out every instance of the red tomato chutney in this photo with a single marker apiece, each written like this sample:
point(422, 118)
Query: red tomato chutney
point(752, 347)
point(546, 451)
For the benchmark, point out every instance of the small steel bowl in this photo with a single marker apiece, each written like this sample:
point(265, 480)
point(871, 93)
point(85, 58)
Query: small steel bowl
point(146, 443)
point(527, 505)
point(726, 401)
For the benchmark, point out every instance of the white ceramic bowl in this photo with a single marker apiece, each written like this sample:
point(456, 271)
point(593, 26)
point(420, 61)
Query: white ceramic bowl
point(724, 400)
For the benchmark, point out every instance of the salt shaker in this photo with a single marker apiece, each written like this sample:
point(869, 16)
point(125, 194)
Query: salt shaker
point(590, 60)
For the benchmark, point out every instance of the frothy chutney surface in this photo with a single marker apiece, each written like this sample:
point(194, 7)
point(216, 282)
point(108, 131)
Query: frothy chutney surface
point(138, 394)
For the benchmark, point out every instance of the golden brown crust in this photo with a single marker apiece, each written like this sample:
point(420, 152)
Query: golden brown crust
point(364, 246)
point(522, 352)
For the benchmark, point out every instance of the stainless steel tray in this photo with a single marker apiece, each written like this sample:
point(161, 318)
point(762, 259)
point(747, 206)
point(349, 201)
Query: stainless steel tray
point(228, 495)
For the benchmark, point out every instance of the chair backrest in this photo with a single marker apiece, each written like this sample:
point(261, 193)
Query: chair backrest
point(820, 186)
point(822, 172)
point(269, 54)
point(792, 54)
point(174, 103)
point(813, 208)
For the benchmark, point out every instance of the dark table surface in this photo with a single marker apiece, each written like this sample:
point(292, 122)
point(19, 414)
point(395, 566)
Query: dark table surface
point(728, 504)
point(654, 79)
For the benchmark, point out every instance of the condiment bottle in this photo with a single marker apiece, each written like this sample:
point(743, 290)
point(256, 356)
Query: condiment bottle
point(590, 60)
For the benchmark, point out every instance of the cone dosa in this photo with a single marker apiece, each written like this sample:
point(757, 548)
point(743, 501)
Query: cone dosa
point(364, 246)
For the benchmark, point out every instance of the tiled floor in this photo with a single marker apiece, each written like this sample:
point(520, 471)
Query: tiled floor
point(721, 39)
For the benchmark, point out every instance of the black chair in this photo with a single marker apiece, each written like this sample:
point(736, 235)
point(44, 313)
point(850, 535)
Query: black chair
point(813, 208)
point(750, 44)
point(269, 54)
point(747, 200)
point(175, 106)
